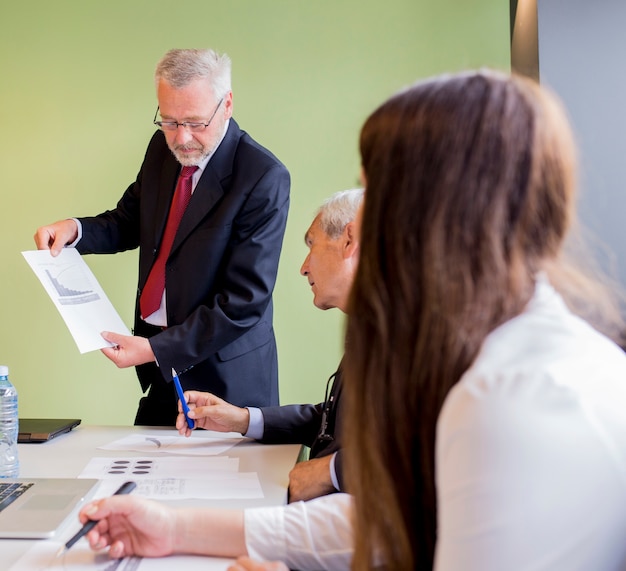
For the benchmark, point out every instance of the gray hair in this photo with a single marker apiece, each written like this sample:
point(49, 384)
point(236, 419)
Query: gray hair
point(181, 67)
point(339, 210)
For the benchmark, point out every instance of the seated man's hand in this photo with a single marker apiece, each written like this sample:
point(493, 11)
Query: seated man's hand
point(212, 413)
point(310, 479)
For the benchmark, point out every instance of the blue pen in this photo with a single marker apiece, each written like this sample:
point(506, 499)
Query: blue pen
point(190, 423)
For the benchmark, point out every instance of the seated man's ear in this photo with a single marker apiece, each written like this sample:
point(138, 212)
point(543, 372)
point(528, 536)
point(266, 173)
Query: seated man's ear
point(351, 242)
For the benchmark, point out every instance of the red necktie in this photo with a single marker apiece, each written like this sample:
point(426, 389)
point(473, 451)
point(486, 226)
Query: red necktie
point(152, 292)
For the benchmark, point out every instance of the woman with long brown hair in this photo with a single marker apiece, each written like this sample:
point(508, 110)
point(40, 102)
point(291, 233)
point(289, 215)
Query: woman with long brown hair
point(487, 423)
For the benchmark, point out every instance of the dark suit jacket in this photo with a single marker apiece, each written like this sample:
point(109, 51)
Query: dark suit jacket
point(302, 424)
point(221, 270)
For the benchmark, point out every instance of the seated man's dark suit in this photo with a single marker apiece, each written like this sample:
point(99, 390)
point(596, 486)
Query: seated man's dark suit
point(220, 273)
point(304, 424)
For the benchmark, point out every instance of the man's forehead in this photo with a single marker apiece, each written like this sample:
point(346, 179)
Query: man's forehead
point(314, 228)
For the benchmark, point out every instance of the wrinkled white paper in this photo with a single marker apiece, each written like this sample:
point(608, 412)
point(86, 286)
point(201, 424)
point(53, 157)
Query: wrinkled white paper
point(78, 296)
point(197, 445)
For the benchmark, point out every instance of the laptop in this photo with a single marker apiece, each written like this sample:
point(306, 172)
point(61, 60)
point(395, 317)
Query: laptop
point(34, 508)
point(44, 429)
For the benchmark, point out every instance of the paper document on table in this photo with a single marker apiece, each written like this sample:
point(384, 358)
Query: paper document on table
point(197, 445)
point(140, 467)
point(42, 556)
point(218, 486)
point(78, 296)
point(175, 478)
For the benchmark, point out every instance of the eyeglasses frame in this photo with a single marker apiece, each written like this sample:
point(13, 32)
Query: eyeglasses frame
point(193, 126)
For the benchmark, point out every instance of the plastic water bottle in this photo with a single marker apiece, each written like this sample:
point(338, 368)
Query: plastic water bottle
point(9, 460)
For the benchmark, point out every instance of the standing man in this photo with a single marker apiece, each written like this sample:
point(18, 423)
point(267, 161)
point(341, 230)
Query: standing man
point(329, 268)
point(206, 270)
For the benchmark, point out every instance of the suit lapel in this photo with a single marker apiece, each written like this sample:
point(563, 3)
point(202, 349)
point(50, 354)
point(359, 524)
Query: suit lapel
point(210, 187)
point(167, 186)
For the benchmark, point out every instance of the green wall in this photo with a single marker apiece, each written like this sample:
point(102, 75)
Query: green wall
point(76, 104)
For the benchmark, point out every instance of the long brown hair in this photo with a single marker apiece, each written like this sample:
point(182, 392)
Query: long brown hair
point(469, 192)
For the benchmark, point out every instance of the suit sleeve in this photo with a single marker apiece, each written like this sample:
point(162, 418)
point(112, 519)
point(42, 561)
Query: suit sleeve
point(291, 424)
point(114, 230)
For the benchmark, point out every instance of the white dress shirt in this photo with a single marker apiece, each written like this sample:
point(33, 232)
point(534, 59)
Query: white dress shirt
point(304, 535)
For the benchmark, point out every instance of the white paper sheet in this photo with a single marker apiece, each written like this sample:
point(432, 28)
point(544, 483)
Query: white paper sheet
point(225, 486)
point(195, 445)
point(175, 478)
point(78, 296)
point(42, 556)
point(145, 467)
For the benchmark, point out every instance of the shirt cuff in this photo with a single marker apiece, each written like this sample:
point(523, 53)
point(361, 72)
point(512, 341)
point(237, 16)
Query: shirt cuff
point(256, 427)
point(79, 236)
point(333, 473)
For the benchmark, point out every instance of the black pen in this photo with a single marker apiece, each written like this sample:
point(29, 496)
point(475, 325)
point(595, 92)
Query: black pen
point(125, 488)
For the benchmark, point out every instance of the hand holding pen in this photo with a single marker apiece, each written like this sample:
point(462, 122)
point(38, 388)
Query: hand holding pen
point(129, 525)
point(125, 488)
point(179, 391)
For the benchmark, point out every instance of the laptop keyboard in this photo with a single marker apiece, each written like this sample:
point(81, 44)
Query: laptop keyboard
point(9, 492)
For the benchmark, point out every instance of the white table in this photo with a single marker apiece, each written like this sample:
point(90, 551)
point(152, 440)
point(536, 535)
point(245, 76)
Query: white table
point(67, 455)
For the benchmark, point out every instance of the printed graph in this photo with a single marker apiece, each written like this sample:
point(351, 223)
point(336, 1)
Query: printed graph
point(79, 292)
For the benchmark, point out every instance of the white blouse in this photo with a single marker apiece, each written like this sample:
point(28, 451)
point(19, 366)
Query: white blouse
point(304, 535)
point(531, 449)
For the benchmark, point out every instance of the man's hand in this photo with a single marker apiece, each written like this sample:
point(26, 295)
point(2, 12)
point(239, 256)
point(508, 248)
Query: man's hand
point(212, 413)
point(310, 479)
point(55, 236)
point(129, 350)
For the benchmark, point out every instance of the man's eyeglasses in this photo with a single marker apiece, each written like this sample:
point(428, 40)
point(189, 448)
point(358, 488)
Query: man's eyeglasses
point(194, 127)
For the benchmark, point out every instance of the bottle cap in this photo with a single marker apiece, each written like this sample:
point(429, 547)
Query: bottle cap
point(4, 371)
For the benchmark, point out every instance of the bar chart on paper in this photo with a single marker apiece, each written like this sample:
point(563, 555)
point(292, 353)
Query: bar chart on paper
point(66, 295)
